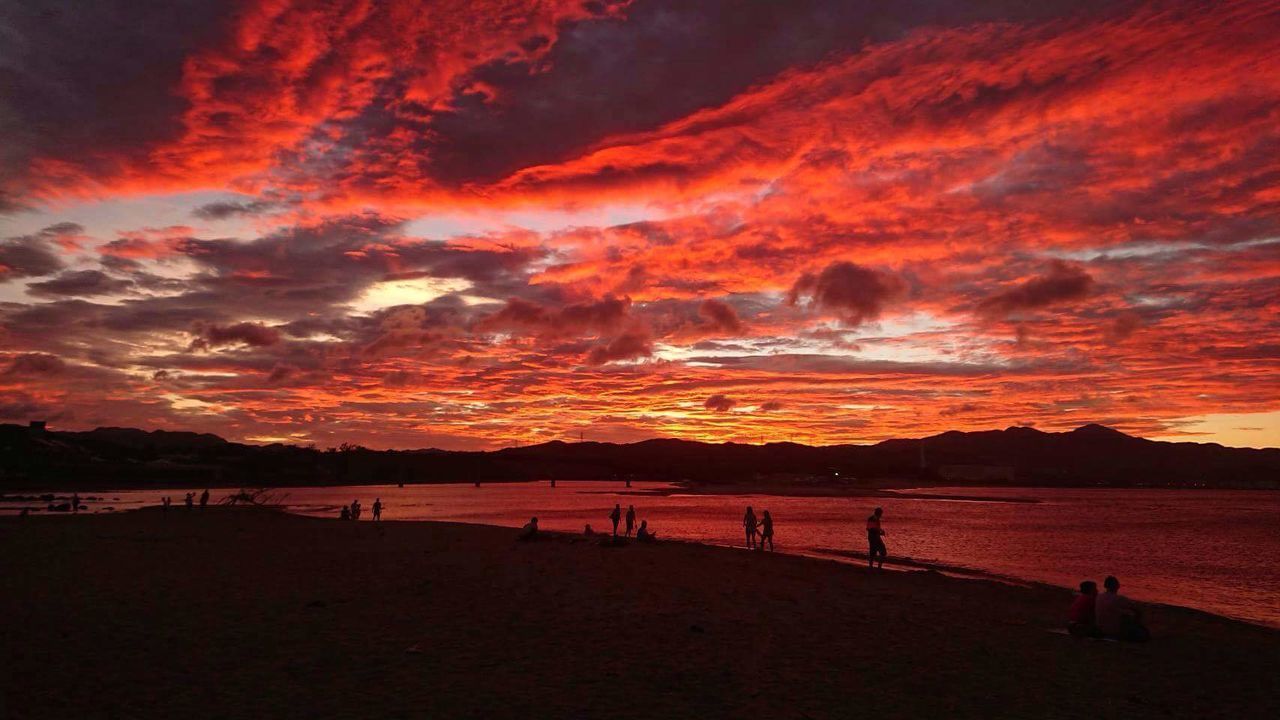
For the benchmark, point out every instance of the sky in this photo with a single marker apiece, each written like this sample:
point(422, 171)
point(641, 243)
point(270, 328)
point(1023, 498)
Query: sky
point(482, 223)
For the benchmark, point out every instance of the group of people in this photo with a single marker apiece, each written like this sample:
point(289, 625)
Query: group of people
point(354, 510)
point(758, 531)
point(190, 500)
point(643, 533)
point(1106, 615)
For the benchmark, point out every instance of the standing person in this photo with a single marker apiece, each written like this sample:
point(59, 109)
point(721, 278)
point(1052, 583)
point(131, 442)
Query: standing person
point(190, 500)
point(75, 502)
point(749, 525)
point(875, 538)
point(204, 498)
point(377, 509)
point(615, 516)
point(631, 518)
point(766, 530)
point(164, 502)
point(1117, 616)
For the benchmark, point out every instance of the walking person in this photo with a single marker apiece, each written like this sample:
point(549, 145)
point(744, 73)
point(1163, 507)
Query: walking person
point(766, 530)
point(204, 498)
point(377, 510)
point(875, 539)
point(165, 502)
point(749, 524)
point(615, 516)
point(631, 519)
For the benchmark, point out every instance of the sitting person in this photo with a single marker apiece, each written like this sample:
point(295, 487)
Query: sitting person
point(643, 534)
point(1117, 616)
point(588, 531)
point(530, 530)
point(1080, 618)
point(345, 513)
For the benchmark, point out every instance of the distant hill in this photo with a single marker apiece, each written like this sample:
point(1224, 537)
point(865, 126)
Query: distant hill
point(1087, 456)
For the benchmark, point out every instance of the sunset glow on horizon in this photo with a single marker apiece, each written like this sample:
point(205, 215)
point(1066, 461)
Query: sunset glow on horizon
point(479, 224)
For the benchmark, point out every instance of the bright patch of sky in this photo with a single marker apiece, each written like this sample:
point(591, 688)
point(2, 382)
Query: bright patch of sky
point(416, 291)
point(104, 219)
point(1232, 429)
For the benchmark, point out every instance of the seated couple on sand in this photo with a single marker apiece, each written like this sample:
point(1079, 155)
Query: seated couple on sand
point(1109, 615)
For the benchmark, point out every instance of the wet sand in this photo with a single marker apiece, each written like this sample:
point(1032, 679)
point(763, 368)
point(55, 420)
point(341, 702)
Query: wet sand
point(249, 613)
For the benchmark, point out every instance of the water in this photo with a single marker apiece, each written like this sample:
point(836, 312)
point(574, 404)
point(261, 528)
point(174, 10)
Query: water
point(1218, 551)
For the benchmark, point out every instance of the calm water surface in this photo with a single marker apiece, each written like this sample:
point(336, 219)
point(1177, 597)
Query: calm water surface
point(1214, 550)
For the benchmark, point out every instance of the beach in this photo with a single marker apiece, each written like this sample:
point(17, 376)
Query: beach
point(256, 613)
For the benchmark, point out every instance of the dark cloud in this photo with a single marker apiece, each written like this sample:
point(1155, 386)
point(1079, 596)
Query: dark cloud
point(247, 333)
point(857, 294)
point(601, 316)
point(719, 403)
point(81, 282)
point(33, 255)
point(771, 406)
point(230, 209)
point(720, 316)
point(627, 346)
point(85, 82)
point(29, 364)
point(1063, 282)
point(669, 58)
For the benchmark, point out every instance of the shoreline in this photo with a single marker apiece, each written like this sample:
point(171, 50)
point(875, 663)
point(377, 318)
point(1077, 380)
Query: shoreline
point(841, 555)
point(252, 612)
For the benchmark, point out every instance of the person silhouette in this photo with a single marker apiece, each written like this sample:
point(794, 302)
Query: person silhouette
point(1080, 616)
point(204, 498)
point(643, 535)
point(588, 531)
point(530, 530)
point(766, 530)
point(345, 513)
point(165, 501)
point(749, 525)
point(75, 502)
point(615, 516)
point(190, 500)
point(1117, 616)
point(631, 518)
point(875, 538)
point(355, 509)
point(377, 509)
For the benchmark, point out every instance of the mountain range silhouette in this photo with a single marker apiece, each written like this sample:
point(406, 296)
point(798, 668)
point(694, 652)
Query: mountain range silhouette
point(1087, 456)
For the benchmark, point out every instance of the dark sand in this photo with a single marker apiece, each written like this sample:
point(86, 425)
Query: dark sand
point(231, 614)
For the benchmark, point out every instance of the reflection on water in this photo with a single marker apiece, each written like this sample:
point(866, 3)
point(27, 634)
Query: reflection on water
point(1214, 550)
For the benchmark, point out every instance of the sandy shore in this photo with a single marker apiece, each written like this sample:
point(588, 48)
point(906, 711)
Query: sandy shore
point(232, 613)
